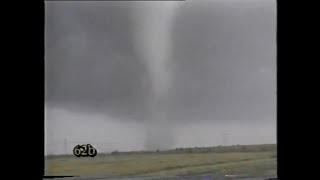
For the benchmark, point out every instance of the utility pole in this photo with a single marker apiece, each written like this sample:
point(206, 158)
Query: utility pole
point(65, 145)
point(225, 139)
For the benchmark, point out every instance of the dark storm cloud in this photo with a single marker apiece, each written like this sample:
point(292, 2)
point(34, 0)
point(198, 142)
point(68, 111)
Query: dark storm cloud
point(224, 59)
point(90, 60)
point(226, 56)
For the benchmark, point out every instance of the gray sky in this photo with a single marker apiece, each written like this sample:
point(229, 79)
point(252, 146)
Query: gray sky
point(221, 77)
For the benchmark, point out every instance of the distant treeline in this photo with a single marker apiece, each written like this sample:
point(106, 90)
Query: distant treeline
point(216, 149)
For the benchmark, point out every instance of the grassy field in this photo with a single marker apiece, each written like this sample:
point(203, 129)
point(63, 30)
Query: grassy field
point(258, 163)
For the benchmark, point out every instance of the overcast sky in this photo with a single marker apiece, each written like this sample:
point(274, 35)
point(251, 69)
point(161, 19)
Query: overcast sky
point(221, 77)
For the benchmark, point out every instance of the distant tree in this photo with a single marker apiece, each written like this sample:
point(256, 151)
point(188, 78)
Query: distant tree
point(114, 152)
point(243, 148)
point(264, 148)
point(189, 150)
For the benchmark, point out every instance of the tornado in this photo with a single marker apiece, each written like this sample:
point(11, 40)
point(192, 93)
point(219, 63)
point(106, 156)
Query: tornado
point(152, 33)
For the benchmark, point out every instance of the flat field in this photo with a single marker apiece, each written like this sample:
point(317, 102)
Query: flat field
point(200, 161)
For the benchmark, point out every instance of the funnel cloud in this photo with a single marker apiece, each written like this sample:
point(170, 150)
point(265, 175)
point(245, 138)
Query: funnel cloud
point(153, 29)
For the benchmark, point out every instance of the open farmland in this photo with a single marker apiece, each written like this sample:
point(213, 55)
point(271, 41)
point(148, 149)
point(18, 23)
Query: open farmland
point(254, 160)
